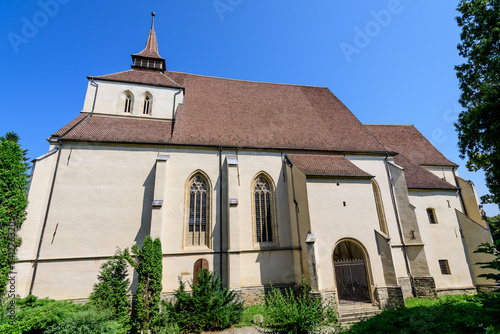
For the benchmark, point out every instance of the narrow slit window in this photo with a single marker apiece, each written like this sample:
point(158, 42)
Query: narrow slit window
point(380, 207)
point(128, 104)
point(263, 207)
point(197, 221)
point(147, 106)
point(445, 267)
point(431, 214)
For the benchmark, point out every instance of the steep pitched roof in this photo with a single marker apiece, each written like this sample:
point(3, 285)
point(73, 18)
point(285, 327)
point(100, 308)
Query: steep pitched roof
point(407, 140)
point(326, 165)
point(235, 113)
point(414, 150)
point(255, 114)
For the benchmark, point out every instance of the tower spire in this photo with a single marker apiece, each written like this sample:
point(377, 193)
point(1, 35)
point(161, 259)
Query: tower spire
point(149, 58)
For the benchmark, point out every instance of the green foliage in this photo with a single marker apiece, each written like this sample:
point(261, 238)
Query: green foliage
point(89, 321)
point(41, 316)
point(494, 263)
point(479, 125)
point(494, 223)
point(448, 314)
point(208, 307)
point(111, 291)
point(249, 312)
point(35, 315)
point(13, 201)
point(149, 270)
point(296, 312)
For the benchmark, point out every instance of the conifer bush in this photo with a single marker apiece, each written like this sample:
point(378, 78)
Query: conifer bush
point(149, 270)
point(208, 307)
point(111, 291)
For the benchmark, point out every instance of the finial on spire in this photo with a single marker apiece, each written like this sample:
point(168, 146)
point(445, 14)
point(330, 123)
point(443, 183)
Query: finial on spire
point(152, 20)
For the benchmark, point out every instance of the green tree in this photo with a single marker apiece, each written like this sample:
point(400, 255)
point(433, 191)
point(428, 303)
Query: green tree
point(13, 202)
point(148, 264)
point(494, 223)
point(478, 126)
point(111, 291)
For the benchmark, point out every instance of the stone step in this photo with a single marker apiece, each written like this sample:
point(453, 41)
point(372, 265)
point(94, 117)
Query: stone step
point(349, 315)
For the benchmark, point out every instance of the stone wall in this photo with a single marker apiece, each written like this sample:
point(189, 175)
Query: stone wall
point(390, 297)
point(466, 291)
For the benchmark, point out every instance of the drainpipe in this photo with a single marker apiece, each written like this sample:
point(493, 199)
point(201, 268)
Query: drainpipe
point(405, 252)
point(96, 85)
point(220, 211)
point(35, 265)
point(173, 111)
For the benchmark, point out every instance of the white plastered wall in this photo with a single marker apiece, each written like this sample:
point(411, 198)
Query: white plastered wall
point(442, 240)
point(110, 99)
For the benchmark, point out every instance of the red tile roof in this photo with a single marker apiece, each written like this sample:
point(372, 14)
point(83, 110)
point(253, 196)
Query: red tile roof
point(326, 165)
point(254, 114)
point(101, 128)
point(140, 76)
point(407, 140)
point(414, 150)
point(235, 113)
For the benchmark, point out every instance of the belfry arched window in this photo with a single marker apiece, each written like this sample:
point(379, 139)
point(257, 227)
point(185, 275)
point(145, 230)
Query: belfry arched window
point(128, 103)
point(263, 207)
point(198, 201)
point(147, 105)
point(380, 207)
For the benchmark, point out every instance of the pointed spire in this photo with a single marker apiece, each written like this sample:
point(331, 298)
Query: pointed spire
point(149, 57)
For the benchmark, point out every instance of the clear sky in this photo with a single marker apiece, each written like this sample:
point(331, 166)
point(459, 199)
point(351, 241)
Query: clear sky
point(388, 61)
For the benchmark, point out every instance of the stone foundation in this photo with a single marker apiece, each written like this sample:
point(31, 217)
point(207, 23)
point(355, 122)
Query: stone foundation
point(463, 291)
point(425, 286)
point(390, 297)
point(404, 283)
point(487, 288)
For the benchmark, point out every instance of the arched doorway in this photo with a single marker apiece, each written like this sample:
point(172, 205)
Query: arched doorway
point(351, 273)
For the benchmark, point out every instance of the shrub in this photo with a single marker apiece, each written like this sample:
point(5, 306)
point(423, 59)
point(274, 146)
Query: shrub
point(111, 291)
point(89, 321)
point(208, 307)
point(149, 270)
point(37, 315)
point(296, 312)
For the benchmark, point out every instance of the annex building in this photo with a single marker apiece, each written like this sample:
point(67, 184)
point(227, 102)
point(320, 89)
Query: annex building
point(259, 182)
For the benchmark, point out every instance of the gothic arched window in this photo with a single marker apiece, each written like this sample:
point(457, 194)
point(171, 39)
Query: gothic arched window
point(128, 103)
point(198, 198)
point(147, 105)
point(263, 208)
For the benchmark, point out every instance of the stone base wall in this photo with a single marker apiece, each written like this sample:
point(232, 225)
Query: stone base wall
point(487, 288)
point(390, 297)
point(425, 286)
point(463, 291)
point(405, 284)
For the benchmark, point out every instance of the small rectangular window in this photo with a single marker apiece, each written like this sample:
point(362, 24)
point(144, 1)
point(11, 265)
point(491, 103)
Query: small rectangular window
point(445, 268)
point(432, 216)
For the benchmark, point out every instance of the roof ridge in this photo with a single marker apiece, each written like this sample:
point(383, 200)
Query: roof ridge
point(250, 81)
point(163, 73)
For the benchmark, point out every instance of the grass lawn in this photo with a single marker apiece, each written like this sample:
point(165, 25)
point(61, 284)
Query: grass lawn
point(448, 314)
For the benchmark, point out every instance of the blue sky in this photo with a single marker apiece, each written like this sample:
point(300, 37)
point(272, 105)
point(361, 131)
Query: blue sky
point(388, 61)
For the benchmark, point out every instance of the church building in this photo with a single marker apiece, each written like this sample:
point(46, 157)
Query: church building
point(260, 182)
